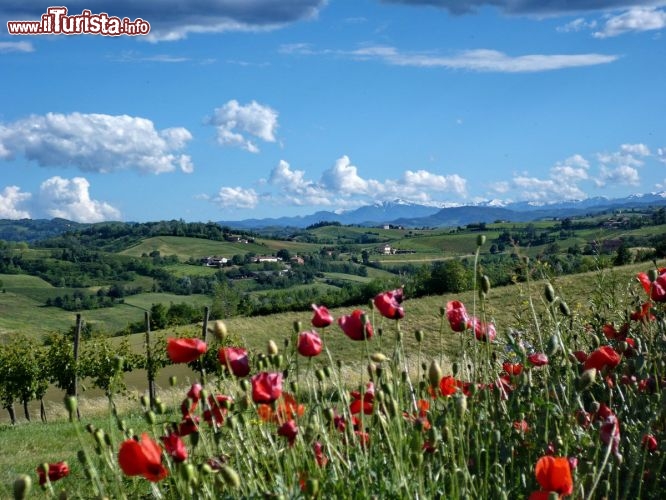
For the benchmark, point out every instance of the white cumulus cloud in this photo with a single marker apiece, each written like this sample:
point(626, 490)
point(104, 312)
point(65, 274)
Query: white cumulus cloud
point(96, 143)
point(634, 20)
point(12, 202)
point(236, 197)
point(70, 199)
point(623, 175)
point(235, 122)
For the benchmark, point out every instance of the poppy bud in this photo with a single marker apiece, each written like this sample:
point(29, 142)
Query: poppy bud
point(206, 469)
point(419, 335)
point(71, 405)
point(378, 357)
point(480, 240)
point(329, 414)
point(371, 369)
point(150, 417)
point(293, 386)
point(189, 473)
point(587, 379)
point(172, 380)
point(219, 329)
point(549, 292)
point(145, 402)
point(297, 326)
point(122, 425)
point(485, 284)
point(320, 375)
point(312, 487)
point(653, 274)
point(434, 374)
point(22, 486)
point(99, 437)
point(245, 384)
point(160, 407)
point(622, 347)
point(231, 477)
point(553, 345)
point(461, 404)
point(564, 309)
point(272, 348)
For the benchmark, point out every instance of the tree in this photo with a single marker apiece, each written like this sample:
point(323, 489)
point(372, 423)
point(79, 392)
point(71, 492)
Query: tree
point(284, 254)
point(623, 255)
point(225, 301)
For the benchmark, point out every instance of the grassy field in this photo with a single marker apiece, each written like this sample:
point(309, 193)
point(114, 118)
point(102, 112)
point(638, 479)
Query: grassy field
point(185, 248)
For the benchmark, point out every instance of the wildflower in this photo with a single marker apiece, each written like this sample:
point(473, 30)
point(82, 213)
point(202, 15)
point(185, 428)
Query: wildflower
point(610, 428)
point(611, 333)
point(195, 392)
point(309, 344)
point(457, 315)
point(448, 385)
point(266, 387)
point(602, 357)
point(356, 326)
point(538, 359)
point(649, 442)
point(189, 425)
point(175, 447)
point(512, 369)
point(217, 409)
point(655, 289)
point(363, 403)
point(521, 426)
point(482, 331)
point(142, 458)
point(55, 471)
point(581, 356)
point(289, 430)
point(287, 409)
point(235, 359)
point(643, 313)
point(322, 317)
point(185, 350)
point(318, 449)
point(554, 474)
point(388, 304)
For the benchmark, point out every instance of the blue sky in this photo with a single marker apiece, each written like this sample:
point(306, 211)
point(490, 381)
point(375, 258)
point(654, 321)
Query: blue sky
point(235, 109)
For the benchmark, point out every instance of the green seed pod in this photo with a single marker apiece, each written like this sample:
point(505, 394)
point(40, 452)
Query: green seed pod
point(485, 284)
point(246, 385)
point(329, 414)
point(145, 401)
point(653, 274)
point(297, 326)
point(293, 386)
point(122, 425)
point(189, 473)
point(321, 376)
point(461, 404)
point(327, 371)
point(553, 345)
point(549, 292)
point(22, 486)
point(231, 477)
point(272, 348)
point(173, 380)
point(480, 240)
point(71, 405)
point(418, 334)
point(206, 469)
point(99, 437)
point(150, 417)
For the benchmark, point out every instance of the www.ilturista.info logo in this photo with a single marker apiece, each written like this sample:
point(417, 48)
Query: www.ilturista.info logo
point(56, 22)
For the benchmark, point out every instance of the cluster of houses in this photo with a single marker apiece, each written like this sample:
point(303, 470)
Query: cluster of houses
point(215, 261)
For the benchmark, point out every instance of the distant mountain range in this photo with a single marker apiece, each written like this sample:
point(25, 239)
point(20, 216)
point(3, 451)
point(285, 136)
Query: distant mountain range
point(403, 213)
point(397, 213)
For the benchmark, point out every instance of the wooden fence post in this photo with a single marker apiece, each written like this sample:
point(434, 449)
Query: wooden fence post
point(74, 388)
point(150, 369)
point(204, 334)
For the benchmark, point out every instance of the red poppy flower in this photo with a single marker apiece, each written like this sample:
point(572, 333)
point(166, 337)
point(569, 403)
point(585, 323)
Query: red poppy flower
point(322, 317)
point(309, 344)
point(287, 409)
point(235, 359)
point(217, 409)
point(388, 304)
point(363, 403)
point(521, 425)
point(649, 442)
point(142, 458)
point(581, 356)
point(289, 430)
point(448, 386)
point(457, 315)
point(266, 387)
point(189, 425)
point(195, 392)
point(538, 359)
point(602, 357)
point(482, 331)
point(512, 369)
point(318, 449)
point(56, 471)
point(356, 326)
point(554, 474)
point(655, 289)
point(644, 313)
point(175, 447)
point(185, 350)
